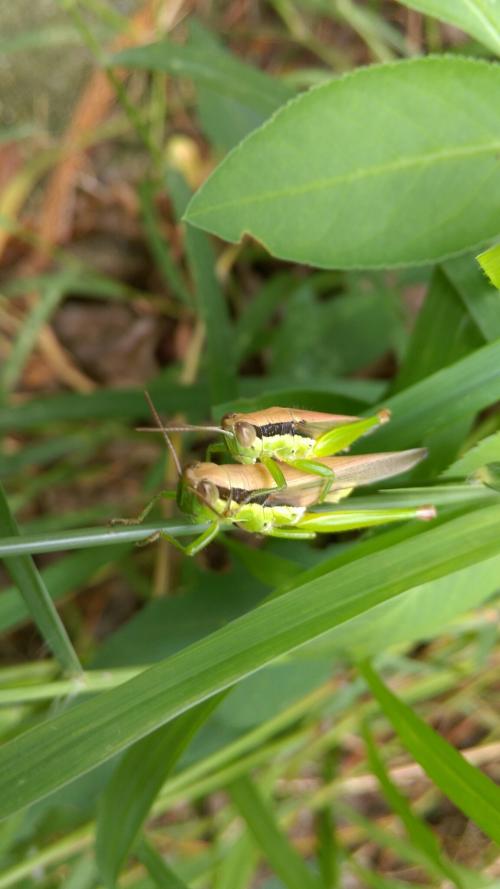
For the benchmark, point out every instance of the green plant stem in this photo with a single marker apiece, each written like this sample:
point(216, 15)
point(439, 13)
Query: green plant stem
point(81, 539)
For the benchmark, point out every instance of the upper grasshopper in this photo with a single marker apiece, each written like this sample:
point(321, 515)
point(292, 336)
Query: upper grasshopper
point(281, 435)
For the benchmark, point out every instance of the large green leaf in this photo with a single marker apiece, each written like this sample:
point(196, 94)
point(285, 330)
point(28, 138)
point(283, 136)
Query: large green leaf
point(393, 164)
point(80, 738)
point(480, 18)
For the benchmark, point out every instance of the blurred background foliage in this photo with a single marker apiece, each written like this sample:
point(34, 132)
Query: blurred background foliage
point(295, 778)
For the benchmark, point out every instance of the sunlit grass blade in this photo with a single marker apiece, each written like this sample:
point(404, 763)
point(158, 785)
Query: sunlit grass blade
point(75, 741)
point(275, 846)
point(490, 264)
point(469, 789)
point(36, 597)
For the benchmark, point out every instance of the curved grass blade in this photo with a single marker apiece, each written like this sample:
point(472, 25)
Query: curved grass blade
point(75, 741)
point(36, 596)
point(469, 789)
point(419, 833)
point(135, 784)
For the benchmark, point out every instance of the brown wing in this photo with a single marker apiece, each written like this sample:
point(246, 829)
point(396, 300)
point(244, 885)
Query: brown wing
point(275, 415)
point(303, 489)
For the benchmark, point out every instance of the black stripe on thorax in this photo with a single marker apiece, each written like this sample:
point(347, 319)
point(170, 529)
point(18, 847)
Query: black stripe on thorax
point(289, 427)
point(240, 495)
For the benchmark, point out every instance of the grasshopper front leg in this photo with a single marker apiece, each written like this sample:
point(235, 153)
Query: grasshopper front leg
point(138, 520)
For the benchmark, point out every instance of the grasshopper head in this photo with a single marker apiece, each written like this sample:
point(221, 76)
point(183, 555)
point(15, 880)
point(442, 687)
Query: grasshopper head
point(243, 443)
point(196, 494)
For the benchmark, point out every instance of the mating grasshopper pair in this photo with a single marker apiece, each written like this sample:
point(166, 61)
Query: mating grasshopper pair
point(286, 467)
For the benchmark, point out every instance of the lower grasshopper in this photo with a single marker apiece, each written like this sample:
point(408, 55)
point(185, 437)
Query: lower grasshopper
point(249, 498)
point(281, 435)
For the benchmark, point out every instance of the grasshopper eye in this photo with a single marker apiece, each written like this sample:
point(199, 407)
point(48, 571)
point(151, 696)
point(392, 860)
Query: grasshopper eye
point(245, 434)
point(207, 490)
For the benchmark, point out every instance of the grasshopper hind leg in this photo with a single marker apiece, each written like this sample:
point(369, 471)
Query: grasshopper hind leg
point(196, 545)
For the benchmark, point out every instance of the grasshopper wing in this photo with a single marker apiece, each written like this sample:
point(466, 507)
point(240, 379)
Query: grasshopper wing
point(349, 472)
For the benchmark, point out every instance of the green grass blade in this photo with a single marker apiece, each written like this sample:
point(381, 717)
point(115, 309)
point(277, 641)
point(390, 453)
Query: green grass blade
point(47, 302)
point(469, 789)
point(160, 872)
point(75, 741)
point(258, 312)
point(106, 404)
point(210, 301)
point(238, 865)
point(159, 245)
point(467, 386)
point(135, 784)
point(487, 451)
point(480, 299)
point(419, 833)
point(210, 67)
point(443, 333)
point(36, 597)
point(52, 542)
point(274, 844)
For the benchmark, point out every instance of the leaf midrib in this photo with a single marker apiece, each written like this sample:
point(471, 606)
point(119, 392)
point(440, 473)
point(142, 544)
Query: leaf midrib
point(397, 165)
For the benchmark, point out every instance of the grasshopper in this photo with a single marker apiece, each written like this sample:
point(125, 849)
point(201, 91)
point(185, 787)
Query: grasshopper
point(248, 497)
point(280, 436)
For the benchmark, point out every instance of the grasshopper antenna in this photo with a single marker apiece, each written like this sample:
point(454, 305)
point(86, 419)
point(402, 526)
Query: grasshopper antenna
point(164, 432)
point(188, 428)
